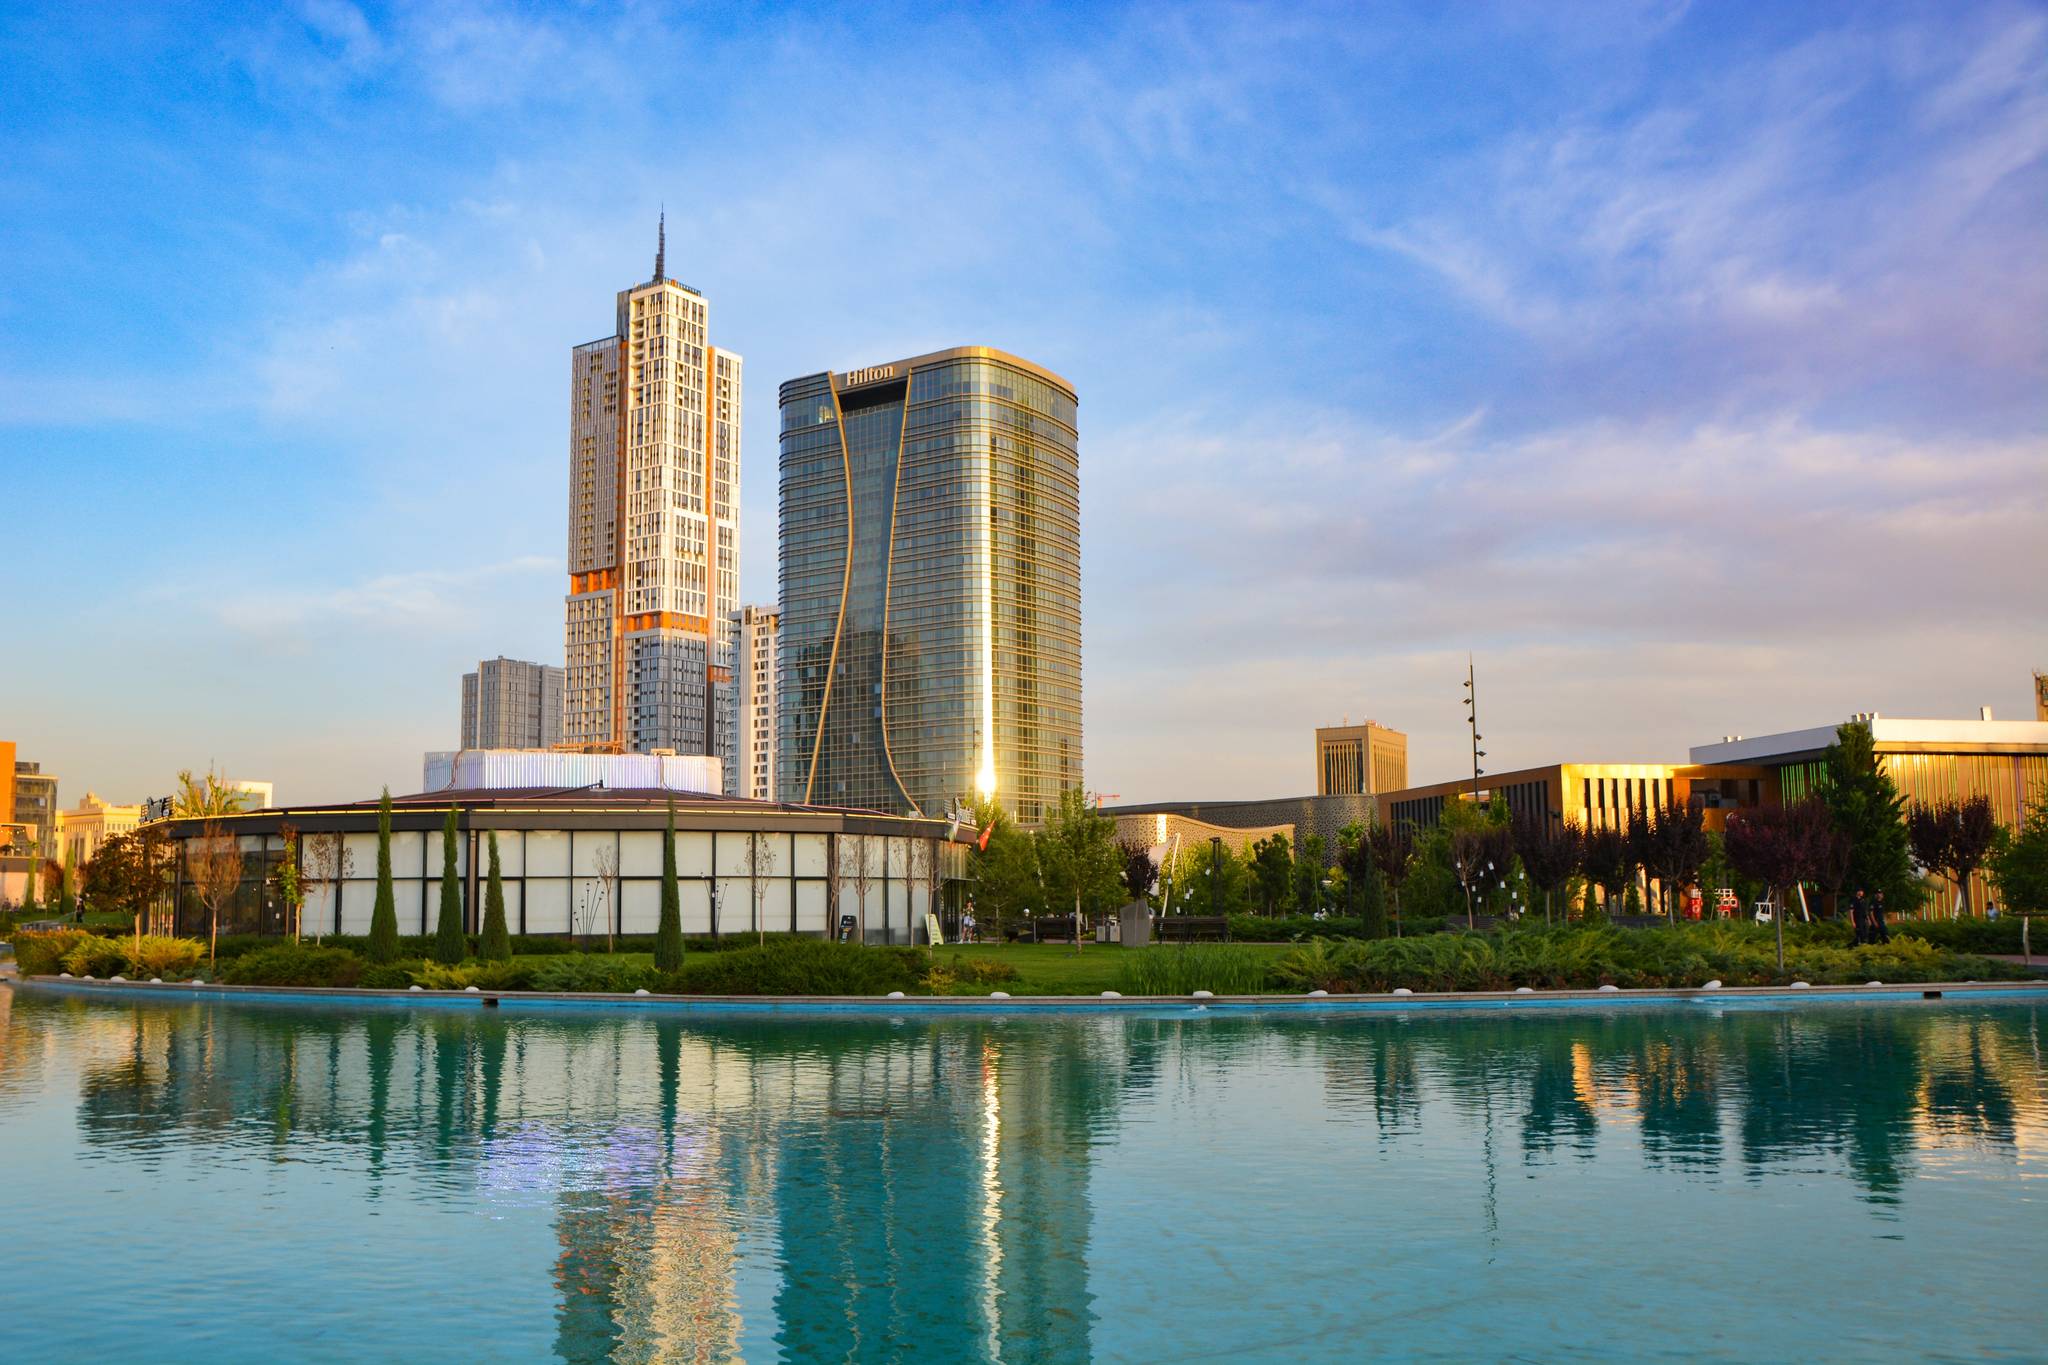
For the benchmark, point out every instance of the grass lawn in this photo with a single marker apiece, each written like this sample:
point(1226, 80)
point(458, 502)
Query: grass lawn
point(1056, 969)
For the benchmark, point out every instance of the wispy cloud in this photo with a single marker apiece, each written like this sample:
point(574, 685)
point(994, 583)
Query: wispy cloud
point(408, 601)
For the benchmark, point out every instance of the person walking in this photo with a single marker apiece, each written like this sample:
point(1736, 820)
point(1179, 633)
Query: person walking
point(1879, 933)
point(1859, 916)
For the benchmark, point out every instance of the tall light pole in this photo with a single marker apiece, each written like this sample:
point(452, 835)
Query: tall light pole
point(1472, 722)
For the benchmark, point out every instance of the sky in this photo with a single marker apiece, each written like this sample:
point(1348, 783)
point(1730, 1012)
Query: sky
point(1682, 365)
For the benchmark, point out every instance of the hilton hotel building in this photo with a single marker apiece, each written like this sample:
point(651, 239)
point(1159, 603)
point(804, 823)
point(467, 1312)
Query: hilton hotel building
point(931, 586)
point(654, 472)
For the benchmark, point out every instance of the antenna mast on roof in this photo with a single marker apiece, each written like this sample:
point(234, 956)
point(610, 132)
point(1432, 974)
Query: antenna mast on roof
point(661, 247)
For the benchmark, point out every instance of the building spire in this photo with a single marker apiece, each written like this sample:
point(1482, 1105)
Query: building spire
point(661, 247)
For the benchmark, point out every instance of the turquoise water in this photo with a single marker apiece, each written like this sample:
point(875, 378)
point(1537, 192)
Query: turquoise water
point(228, 1181)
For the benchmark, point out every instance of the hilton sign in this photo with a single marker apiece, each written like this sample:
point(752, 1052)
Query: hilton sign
point(869, 375)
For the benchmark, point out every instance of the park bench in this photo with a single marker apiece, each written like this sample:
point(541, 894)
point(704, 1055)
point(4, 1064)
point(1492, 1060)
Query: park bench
point(1188, 928)
point(1052, 929)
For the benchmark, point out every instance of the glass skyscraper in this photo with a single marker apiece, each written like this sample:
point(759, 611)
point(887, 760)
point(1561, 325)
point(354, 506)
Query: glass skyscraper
point(931, 586)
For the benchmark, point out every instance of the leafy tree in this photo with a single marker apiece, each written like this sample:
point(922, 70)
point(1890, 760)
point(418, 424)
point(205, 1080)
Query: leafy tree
point(1609, 864)
point(127, 872)
point(1307, 875)
point(1364, 892)
point(450, 946)
point(1213, 880)
point(1865, 805)
point(383, 944)
point(1676, 849)
point(1780, 846)
point(1393, 853)
point(1004, 869)
point(496, 944)
point(1953, 838)
point(1078, 856)
point(668, 935)
point(1272, 868)
point(1551, 851)
point(2019, 865)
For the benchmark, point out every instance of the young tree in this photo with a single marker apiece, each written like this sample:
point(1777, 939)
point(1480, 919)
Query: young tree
point(760, 867)
point(1865, 804)
point(329, 863)
point(1779, 846)
point(1393, 853)
point(1307, 875)
point(2019, 865)
point(860, 871)
point(383, 944)
point(1079, 860)
point(1004, 869)
point(496, 943)
point(1480, 857)
point(450, 944)
point(1551, 852)
point(1953, 838)
point(1272, 867)
point(291, 882)
point(1213, 880)
point(214, 863)
point(668, 935)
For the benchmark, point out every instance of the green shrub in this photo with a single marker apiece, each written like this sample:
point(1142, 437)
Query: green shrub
point(485, 976)
point(1184, 969)
point(388, 976)
point(972, 972)
point(1971, 935)
point(591, 972)
point(173, 959)
point(800, 966)
point(41, 953)
point(1292, 928)
point(295, 964)
point(96, 956)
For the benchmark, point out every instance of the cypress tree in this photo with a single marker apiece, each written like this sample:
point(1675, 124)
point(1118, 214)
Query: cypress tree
point(497, 939)
point(449, 944)
point(67, 899)
point(383, 946)
point(668, 938)
point(30, 902)
point(1866, 806)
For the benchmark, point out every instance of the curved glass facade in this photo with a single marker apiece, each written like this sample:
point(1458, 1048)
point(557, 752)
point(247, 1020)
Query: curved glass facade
point(935, 651)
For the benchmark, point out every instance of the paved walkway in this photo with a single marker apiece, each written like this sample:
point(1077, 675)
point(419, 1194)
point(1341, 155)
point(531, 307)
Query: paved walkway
point(2038, 963)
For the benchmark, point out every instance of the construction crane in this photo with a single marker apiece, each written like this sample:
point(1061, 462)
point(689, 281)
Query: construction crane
point(1099, 797)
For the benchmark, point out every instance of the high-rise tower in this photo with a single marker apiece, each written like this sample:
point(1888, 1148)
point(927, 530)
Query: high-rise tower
point(931, 586)
point(654, 476)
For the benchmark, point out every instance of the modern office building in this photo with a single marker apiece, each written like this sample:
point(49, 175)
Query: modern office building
point(931, 585)
point(654, 476)
point(1593, 795)
point(35, 804)
point(1360, 759)
point(512, 704)
point(80, 832)
point(750, 769)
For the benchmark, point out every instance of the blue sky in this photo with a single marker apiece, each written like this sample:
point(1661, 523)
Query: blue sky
point(1684, 364)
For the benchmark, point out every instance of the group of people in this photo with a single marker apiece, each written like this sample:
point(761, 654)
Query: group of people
point(1867, 915)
